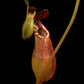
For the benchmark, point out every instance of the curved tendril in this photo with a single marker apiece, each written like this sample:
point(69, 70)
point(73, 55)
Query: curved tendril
point(62, 38)
point(27, 3)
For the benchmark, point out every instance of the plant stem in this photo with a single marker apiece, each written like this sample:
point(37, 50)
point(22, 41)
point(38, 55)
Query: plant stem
point(27, 9)
point(27, 4)
point(62, 38)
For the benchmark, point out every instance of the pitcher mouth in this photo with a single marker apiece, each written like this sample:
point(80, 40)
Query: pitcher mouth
point(40, 30)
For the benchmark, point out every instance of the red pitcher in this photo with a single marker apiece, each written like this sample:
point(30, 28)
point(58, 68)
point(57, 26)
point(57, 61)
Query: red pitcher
point(42, 53)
